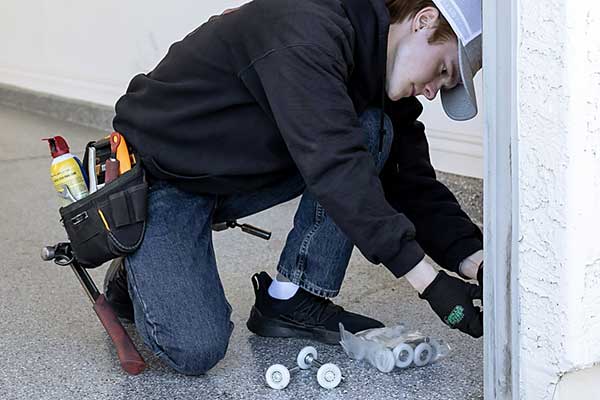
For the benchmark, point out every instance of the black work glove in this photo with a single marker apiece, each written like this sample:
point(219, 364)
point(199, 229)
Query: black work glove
point(452, 300)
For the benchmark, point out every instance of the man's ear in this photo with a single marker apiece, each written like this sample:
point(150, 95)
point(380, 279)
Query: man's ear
point(427, 18)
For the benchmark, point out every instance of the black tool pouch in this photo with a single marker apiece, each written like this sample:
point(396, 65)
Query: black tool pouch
point(110, 222)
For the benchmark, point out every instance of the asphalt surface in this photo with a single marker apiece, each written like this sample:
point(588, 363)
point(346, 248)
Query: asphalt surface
point(53, 347)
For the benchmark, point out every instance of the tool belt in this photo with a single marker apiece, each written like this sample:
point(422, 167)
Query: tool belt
point(111, 221)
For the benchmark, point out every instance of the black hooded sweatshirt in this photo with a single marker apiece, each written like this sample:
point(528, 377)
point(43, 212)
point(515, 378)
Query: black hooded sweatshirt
point(251, 97)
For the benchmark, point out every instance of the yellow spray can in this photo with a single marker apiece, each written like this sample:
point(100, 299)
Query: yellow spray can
point(66, 172)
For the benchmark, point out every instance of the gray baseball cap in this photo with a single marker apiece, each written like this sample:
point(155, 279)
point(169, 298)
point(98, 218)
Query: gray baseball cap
point(465, 18)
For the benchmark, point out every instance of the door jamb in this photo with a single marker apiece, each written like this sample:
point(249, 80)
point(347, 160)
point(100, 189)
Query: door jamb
point(501, 212)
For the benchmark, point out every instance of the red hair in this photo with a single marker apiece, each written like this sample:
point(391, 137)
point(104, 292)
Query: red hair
point(401, 10)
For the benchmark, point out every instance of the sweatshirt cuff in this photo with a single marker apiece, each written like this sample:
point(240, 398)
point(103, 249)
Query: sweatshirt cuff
point(408, 257)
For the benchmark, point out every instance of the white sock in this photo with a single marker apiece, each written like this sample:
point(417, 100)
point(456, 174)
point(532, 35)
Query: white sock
point(282, 290)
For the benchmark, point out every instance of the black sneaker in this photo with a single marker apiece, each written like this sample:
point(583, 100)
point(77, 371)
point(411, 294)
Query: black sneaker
point(302, 316)
point(115, 290)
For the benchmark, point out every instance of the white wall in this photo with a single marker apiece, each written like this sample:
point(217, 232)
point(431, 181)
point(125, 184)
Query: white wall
point(558, 84)
point(579, 385)
point(90, 52)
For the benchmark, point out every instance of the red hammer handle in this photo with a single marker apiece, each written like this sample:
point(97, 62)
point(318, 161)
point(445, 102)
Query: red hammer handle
point(131, 361)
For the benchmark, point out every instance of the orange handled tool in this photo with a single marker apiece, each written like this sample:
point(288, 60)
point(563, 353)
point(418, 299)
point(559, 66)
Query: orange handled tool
point(123, 155)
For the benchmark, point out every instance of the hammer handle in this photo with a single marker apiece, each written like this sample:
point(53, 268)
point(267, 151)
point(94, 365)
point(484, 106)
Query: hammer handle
point(131, 361)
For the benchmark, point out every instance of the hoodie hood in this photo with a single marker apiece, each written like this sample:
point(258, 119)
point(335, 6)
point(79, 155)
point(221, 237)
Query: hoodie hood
point(371, 22)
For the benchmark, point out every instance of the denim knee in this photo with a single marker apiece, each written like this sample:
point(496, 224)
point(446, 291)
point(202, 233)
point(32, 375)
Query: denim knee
point(370, 120)
point(197, 355)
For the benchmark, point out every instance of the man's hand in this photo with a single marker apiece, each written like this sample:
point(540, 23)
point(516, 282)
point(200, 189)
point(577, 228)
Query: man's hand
point(452, 300)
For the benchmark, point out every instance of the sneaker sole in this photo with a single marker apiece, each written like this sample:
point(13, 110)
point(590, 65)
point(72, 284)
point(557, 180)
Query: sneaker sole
point(269, 327)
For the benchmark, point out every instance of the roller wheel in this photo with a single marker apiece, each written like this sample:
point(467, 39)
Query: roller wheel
point(423, 354)
point(404, 355)
point(301, 359)
point(384, 360)
point(278, 376)
point(329, 376)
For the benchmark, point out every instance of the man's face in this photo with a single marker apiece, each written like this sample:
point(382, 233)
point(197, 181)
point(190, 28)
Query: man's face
point(416, 67)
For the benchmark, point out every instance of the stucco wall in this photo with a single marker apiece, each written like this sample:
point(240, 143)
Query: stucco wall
point(579, 385)
point(558, 71)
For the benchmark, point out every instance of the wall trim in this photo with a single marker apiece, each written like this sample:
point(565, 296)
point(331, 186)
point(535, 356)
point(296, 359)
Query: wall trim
point(104, 93)
point(80, 112)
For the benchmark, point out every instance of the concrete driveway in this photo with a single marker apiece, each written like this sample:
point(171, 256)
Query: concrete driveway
point(53, 347)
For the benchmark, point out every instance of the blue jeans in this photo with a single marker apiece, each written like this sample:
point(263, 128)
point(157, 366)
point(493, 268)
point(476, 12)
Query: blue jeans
point(180, 307)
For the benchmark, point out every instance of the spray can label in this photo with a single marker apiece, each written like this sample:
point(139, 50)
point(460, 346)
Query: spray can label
point(68, 181)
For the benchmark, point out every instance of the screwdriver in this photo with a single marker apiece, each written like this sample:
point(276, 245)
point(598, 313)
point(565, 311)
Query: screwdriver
point(112, 164)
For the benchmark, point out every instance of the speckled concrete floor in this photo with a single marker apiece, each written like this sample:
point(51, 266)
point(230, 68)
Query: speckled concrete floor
point(53, 347)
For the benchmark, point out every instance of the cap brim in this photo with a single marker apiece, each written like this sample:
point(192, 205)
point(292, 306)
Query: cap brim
point(460, 102)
